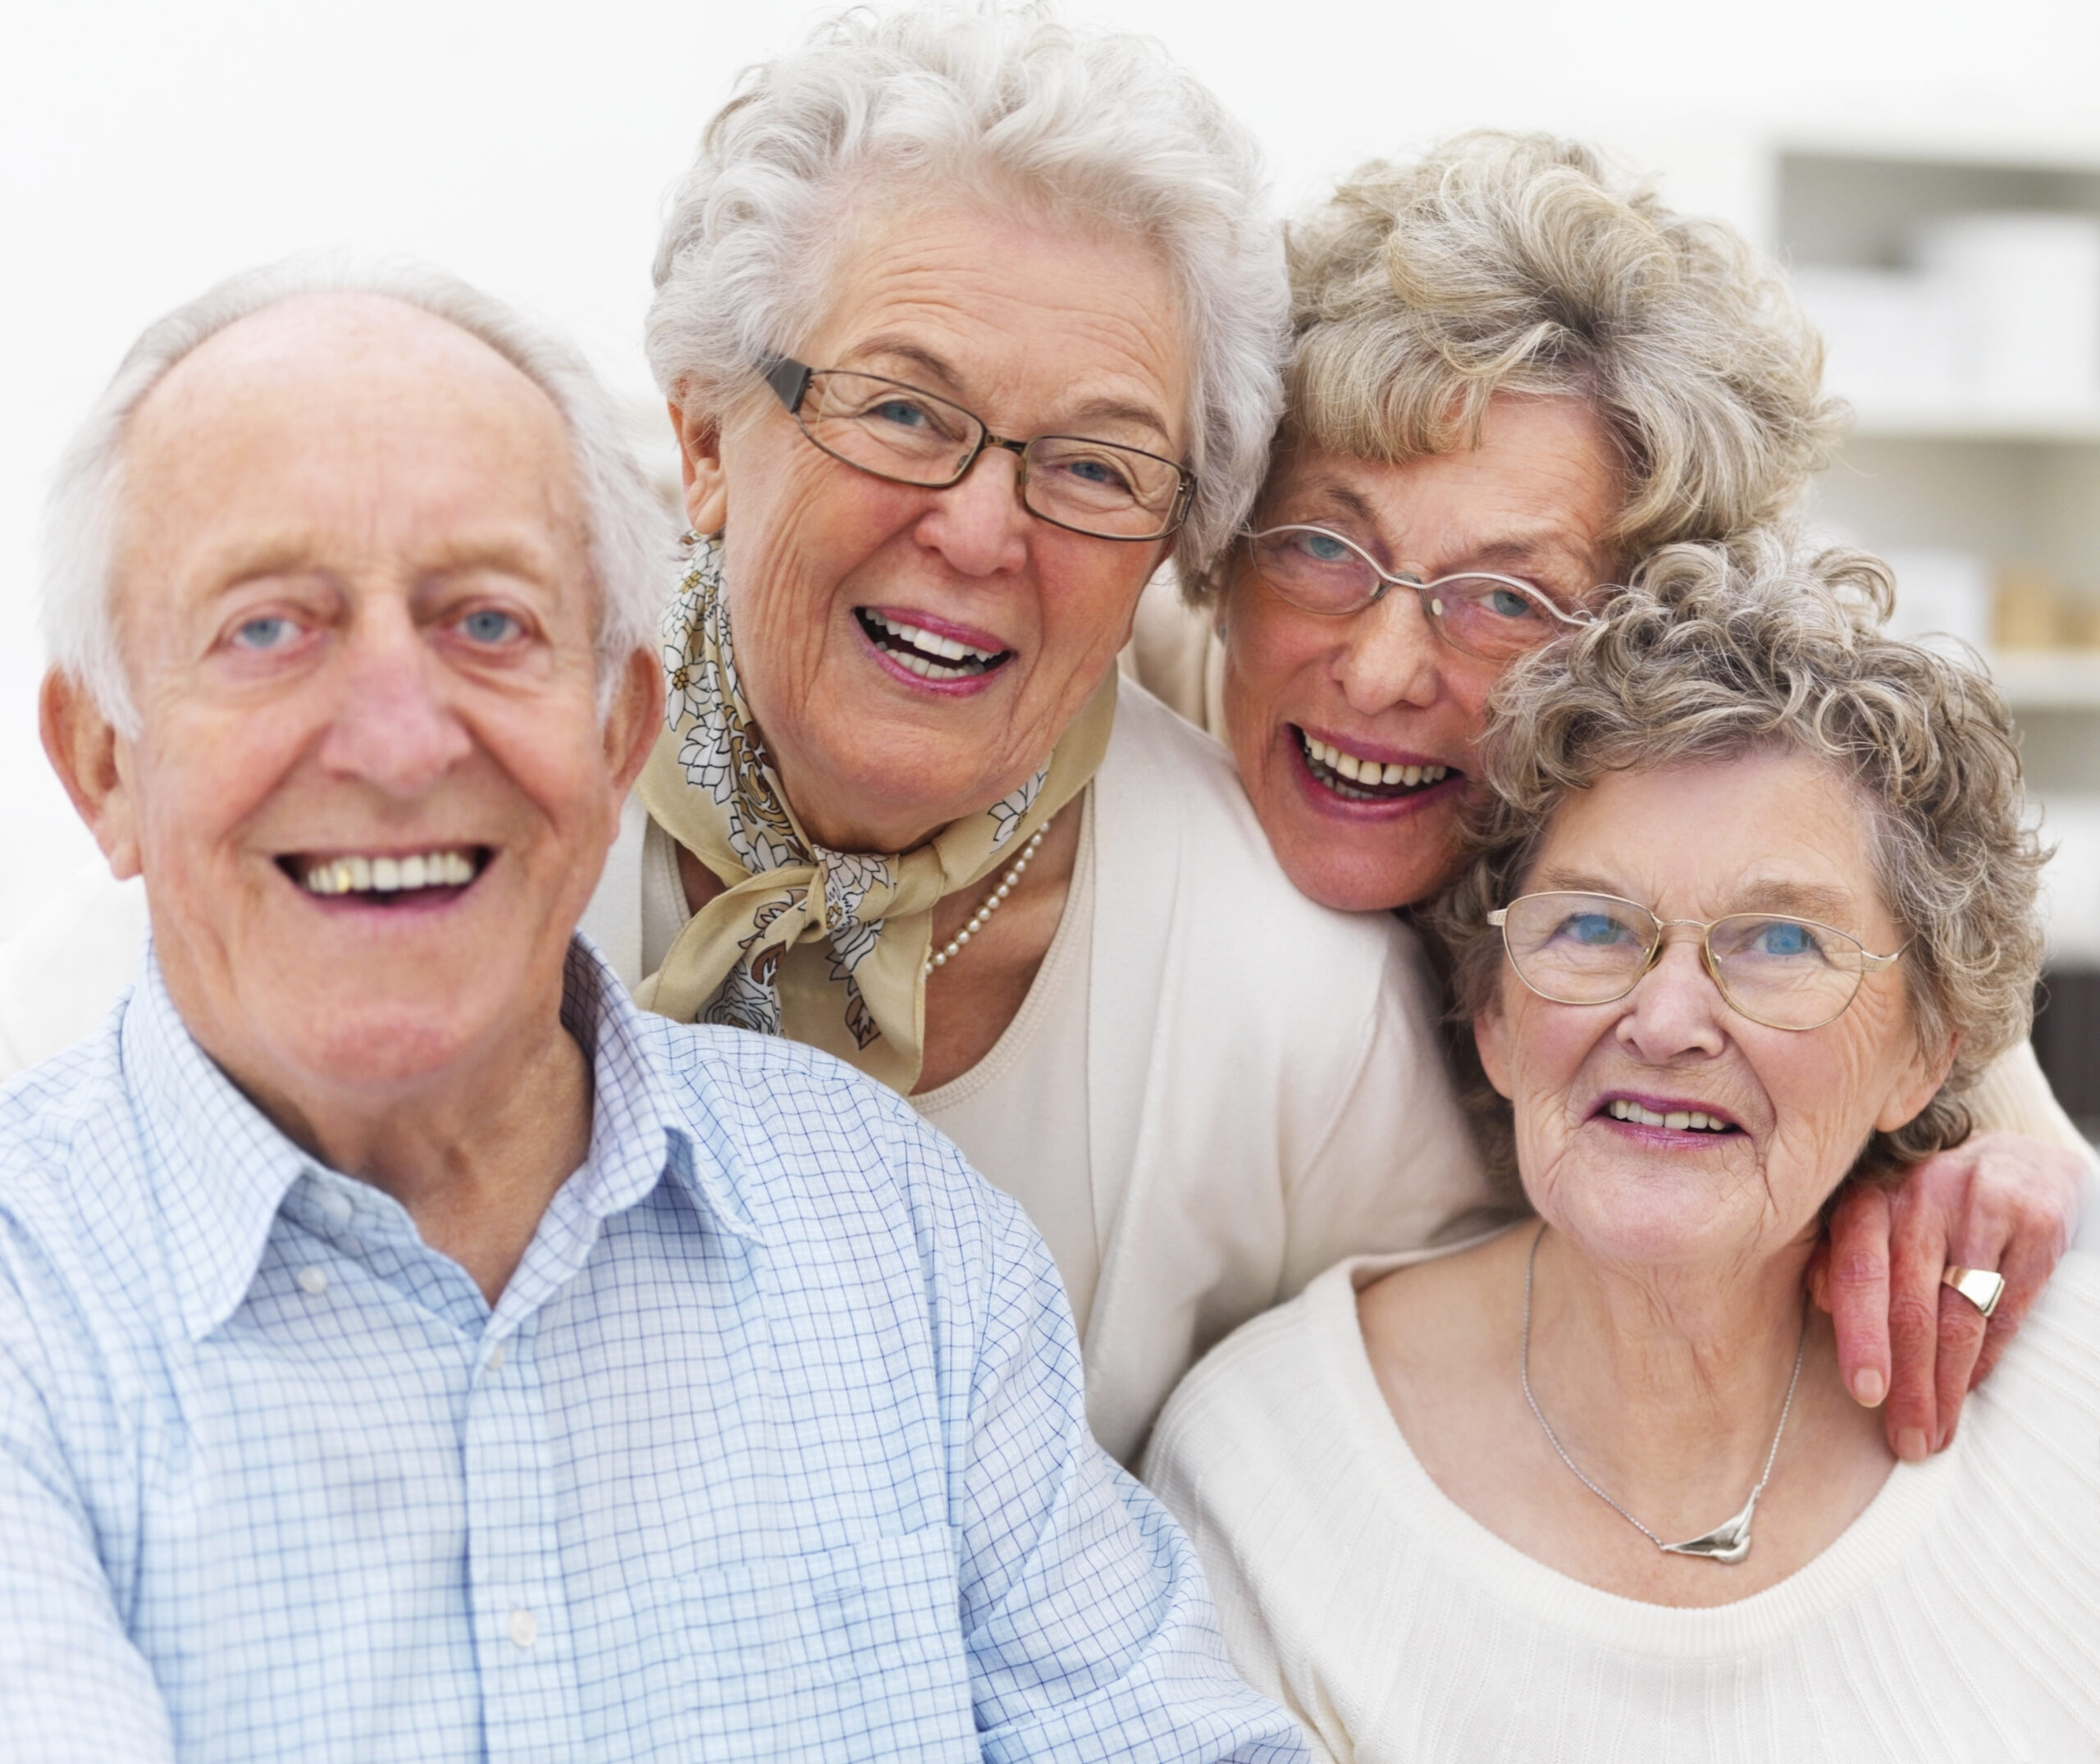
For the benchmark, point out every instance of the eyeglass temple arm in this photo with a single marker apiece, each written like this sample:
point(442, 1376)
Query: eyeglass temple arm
point(789, 379)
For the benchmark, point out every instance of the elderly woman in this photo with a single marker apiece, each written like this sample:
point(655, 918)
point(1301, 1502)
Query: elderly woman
point(966, 321)
point(1515, 375)
point(1752, 909)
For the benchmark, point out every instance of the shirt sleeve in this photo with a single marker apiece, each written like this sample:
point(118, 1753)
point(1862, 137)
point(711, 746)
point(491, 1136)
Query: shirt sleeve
point(1396, 1166)
point(72, 1687)
point(1089, 1630)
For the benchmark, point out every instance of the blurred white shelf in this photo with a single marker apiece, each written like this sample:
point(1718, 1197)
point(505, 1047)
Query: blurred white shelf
point(2075, 427)
point(2048, 679)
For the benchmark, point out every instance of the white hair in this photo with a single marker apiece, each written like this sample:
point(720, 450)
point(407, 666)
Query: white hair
point(1100, 128)
point(629, 531)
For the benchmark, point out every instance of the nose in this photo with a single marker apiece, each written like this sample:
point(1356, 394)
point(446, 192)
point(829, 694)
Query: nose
point(978, 526)
point(393, 725)
point(1388, 655)
point(1676, 1008)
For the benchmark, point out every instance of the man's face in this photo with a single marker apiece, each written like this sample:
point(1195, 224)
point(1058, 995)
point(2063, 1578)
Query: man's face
point(354, 600)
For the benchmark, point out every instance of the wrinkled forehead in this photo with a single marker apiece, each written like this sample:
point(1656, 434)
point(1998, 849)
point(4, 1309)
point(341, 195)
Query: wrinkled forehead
point(359, 418)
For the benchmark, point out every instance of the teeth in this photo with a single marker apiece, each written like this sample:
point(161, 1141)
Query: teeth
point(1359, 770)
point(928, 655)
point(1676, 1120)
point(391, 875)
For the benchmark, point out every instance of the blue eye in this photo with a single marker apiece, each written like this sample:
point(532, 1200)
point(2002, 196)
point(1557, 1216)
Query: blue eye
point(1510, 604)
point(1323, 548)
point(901, 411)
point(1782, 937)
point(270, 631)
point(489, 626)
point(1596, 929)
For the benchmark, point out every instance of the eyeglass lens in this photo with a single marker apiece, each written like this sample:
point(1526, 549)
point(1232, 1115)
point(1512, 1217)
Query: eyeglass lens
point(1591, 949)
point(1484, 615)
point(912, 437)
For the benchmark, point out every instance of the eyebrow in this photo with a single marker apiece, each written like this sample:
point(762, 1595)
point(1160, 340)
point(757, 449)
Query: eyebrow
point(292, 552)
point(1808, 899)
point(903, 349)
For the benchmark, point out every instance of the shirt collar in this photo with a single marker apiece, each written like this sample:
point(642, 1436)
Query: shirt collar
point(220, 1171)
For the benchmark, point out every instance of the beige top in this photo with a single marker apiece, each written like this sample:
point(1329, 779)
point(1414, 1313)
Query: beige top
point(1022, 1111)
point(1957, 1618)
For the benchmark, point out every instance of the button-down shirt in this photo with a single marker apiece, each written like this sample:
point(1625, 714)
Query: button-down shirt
point(772, 1448)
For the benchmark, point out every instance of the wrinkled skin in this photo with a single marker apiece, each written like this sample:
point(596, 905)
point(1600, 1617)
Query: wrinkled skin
point(1536, 499)
point(1036, 330)
point(360, 621)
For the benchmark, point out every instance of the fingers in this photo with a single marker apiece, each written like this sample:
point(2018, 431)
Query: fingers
point(1961, 1331)
point(1917, 1252)
point(1855, 1291)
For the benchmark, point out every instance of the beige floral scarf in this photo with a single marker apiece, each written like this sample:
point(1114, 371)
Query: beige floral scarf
point(827, 947)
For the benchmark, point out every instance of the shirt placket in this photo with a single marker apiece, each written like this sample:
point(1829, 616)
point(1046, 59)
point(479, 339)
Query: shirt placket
point(521, 1635)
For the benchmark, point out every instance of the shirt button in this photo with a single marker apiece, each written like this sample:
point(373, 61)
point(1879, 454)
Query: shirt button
point(336, 1207)
point(312, 1281)
point(495, 1358)
point(523, 1630)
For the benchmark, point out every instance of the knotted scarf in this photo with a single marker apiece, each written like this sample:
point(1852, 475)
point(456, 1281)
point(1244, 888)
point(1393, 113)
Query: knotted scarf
point(827, 947)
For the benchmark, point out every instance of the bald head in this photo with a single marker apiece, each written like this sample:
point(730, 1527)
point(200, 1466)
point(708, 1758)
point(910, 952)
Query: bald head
point(350, 335)
point(376, 754)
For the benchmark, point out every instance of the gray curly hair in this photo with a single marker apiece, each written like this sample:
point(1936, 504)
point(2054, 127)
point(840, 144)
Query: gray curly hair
point(1713, 652)
point(1522, 264)
point(1099, 129)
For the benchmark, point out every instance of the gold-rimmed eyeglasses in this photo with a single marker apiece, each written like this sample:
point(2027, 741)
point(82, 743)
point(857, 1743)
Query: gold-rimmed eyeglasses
point(1490, 617)
point(904, 435)
point(1774, 969)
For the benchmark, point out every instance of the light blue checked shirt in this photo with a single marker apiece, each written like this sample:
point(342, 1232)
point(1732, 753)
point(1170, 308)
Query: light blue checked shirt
point(772, 1448)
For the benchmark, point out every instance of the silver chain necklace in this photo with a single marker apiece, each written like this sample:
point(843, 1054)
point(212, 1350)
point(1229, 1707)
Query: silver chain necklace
point(1728, 1542)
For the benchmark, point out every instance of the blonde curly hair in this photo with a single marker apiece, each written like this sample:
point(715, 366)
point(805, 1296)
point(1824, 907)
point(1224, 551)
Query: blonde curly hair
point(1522, 264)
point(1713, 652)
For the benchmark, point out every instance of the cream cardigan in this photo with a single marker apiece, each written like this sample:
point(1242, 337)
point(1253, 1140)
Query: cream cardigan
point(1264, 1089)
point(1956, 1620)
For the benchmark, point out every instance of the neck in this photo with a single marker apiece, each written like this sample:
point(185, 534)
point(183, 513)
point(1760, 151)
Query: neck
point(474, 1154)
point(1666, 1385)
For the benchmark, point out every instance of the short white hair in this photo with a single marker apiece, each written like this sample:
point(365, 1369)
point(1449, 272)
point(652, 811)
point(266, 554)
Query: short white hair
point(1100, 127)
point(629, 533)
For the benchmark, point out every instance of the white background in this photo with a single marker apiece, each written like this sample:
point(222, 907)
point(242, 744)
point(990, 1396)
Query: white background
point(147, 149)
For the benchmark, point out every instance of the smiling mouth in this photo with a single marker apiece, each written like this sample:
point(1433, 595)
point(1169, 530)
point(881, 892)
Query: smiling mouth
point(929, 657)
point(1355, 780)
point(387, 881)
point(1676, 1120)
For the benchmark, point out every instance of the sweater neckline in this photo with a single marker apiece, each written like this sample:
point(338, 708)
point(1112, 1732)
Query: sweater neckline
point(1887, 1532)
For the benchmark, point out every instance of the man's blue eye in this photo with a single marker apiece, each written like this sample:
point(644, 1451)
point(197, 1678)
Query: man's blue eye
point(488, 626)
point(270, 631)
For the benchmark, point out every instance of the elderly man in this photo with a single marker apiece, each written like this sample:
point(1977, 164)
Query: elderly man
point(408, 1349)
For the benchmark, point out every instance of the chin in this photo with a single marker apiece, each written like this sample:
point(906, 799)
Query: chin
point(1336, 874)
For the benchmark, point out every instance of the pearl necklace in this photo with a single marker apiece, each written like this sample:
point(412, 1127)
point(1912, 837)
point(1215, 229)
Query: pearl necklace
point(1728, 1542)
point(939, 957)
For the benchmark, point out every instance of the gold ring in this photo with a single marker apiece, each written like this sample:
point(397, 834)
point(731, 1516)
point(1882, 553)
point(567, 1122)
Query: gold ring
point(1981, 1287)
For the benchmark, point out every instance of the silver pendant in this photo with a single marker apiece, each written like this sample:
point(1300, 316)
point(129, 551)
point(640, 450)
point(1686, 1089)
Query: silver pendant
point(1728, 1542)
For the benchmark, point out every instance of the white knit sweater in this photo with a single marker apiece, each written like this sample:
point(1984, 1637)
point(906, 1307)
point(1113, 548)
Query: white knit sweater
point(1958, 1619)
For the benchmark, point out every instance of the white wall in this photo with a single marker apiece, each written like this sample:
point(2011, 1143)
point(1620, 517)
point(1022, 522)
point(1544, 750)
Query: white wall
point(147, 149)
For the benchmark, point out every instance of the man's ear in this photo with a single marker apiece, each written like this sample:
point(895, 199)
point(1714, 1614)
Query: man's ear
point(1916, 1085)
point(699, 467)
point(634, 718)
point(94, 762)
